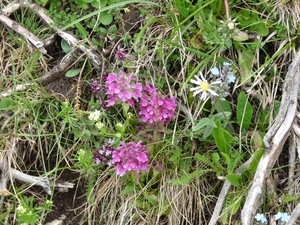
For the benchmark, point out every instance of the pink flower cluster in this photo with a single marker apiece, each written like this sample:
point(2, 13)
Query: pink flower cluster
point(154, 107)
point(130, 157)
point(122, 88)
point(95, 87)
point(103, 155)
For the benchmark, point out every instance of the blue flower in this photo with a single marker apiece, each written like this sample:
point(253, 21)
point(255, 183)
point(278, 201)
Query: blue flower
point(226, 64)
point(215, 71)
point(261, 218)
point(278, 216)
point(231, 78)
point(284, 217)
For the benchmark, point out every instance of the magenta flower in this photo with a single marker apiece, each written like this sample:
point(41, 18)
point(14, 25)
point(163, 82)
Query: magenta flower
point(95, 87)
point(103, 155)
point(122, 88)
point(130, 157)
point(121, 54)
point(155, 107)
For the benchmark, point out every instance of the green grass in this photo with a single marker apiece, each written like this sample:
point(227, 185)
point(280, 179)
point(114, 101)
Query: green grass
point(50, 135)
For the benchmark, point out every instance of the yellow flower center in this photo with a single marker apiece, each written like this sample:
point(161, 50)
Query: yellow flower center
point(205, 86)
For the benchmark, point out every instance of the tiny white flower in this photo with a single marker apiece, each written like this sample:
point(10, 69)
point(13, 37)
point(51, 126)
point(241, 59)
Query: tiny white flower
point(285, 217)
point(278, 216)
point(261, 218)
point(21, 209)
point(230, 25)
point(203, 87)
point(231, 78)
point(95, 115)
point(99, 125)
point(215, 71)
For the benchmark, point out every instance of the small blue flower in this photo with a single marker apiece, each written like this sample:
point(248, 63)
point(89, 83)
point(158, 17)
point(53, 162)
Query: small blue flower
point(215, 71)
point(231, 78)
point(261, 218)
point(285, 217)
point(226, 64)
point(278, 216)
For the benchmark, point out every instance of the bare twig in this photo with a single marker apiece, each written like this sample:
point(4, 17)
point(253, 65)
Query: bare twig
point(225, 190)
point(72, 41)
point(43, 182)
point(31, 38)
point(274, 140)
point(295, 214)
point(57, 70)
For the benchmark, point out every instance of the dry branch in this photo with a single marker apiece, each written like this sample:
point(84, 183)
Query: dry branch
point(224, 191)
point(72, 41)
point(91, 53)
point(31, 38)
point(274, 140)
point(295, 214)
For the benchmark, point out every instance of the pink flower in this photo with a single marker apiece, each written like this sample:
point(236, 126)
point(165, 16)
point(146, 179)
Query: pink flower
point(103, 155)
point(95, 87)
point(122, 88)
point(130, 157)
point(121, 54)
point(155, 107)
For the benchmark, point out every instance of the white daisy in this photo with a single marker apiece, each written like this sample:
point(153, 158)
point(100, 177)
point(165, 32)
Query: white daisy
point(203, 86)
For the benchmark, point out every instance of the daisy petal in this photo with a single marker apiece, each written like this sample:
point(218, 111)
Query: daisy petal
point(212, 92)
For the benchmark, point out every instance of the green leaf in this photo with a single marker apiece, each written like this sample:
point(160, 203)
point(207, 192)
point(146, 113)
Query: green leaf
point(109, 7)
point(207, 132)
point(215, 157)
point(234, 179)
point(125, 108)
point(188, 177)
point(244, 111)
point(222, 116)
point(128, 189)
point(106, 18)
point(205, 160)
point(185, 165)
point(260, 28)
point(240, 36)
point(245, 60)
point(253, 165)
point(99, 3)
point(257, 140)
point(6, 104)
point(235, 159)
point(223, 106)
point(223, 138)
point(65, 46)
point(289, 198)
point(175, 156)
point(235, 204)
point(73, 72)
point(81, 29)
point(216, 160)
point(150, 199)
point(226, 158)
point(203, 123)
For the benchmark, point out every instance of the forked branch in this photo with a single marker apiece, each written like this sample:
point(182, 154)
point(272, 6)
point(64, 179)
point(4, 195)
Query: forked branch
point(274, 139)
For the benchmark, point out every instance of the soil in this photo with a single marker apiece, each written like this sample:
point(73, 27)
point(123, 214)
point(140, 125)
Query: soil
point(68, 205)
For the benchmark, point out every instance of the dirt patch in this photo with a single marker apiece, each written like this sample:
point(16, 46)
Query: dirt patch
point(63, 88)
point(68, 204)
